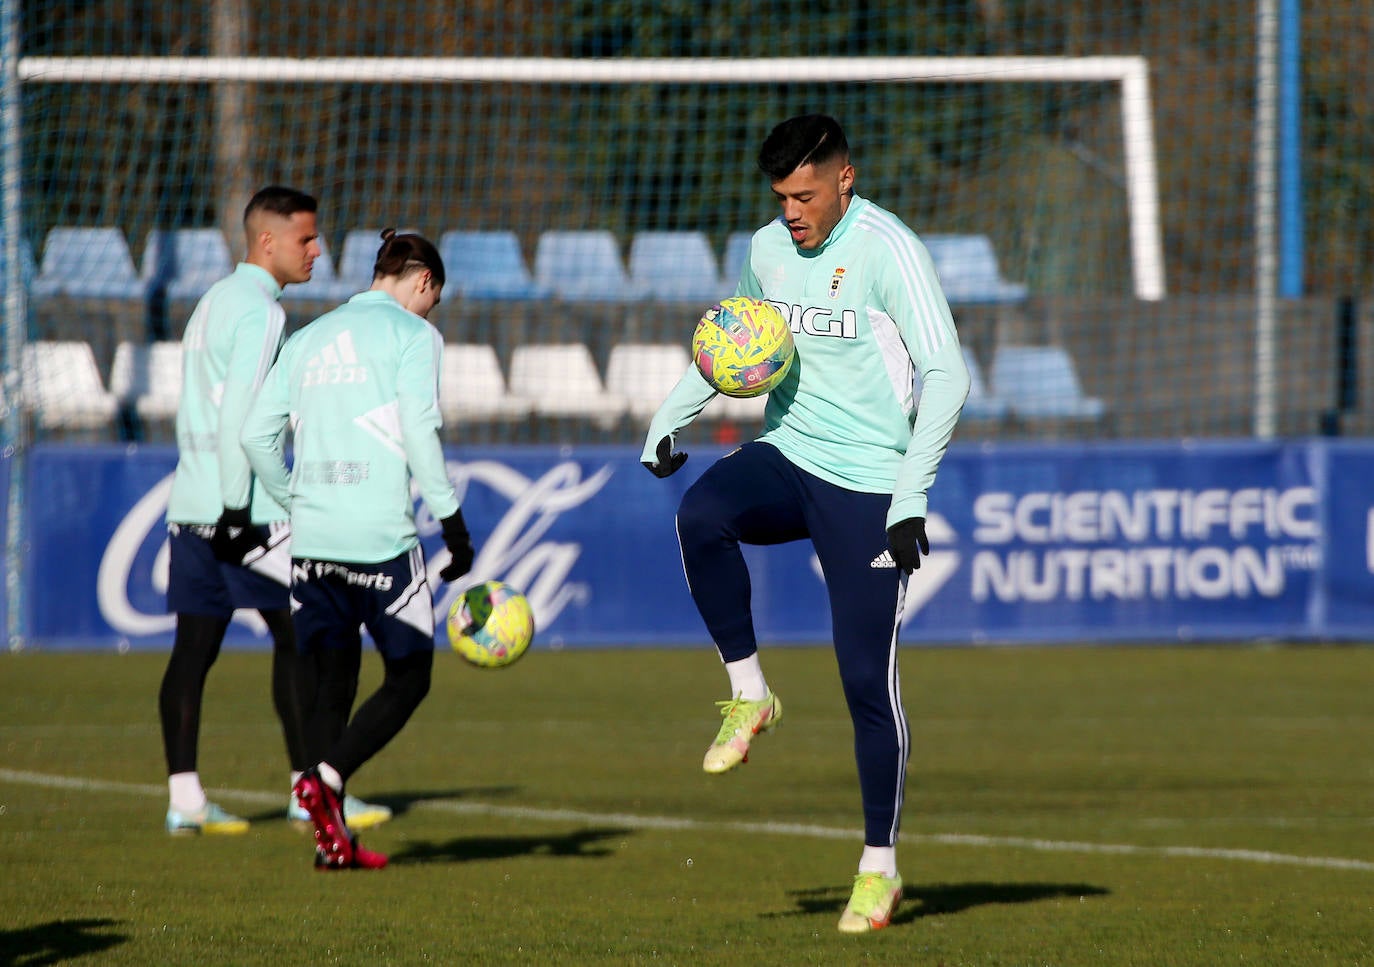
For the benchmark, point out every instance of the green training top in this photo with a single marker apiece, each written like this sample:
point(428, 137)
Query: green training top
point(360, 387)
point(230, 342)
point(867, 313)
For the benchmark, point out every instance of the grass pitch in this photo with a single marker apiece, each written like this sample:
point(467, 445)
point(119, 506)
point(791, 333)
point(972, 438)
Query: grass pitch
point(1104, 806)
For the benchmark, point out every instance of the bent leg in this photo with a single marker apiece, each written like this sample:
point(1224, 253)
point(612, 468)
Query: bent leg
point(745, 497)
point(384, 713)
point(335, 668)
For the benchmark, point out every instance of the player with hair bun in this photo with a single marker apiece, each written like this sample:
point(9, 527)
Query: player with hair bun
point(359, 387)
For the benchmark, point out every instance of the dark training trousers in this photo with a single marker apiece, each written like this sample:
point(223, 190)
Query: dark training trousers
point(756, 496)
point(392, 600)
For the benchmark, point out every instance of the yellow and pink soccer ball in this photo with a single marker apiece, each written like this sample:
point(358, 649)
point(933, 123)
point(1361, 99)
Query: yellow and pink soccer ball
point(743, 347)
point(490, 625)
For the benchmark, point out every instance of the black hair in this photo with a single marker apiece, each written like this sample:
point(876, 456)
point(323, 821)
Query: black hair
point(808, 139)
point(279, 200)
point(404, 252)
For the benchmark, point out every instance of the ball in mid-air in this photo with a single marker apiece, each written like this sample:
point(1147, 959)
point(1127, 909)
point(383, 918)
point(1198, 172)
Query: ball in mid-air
point(743, 346)
point(491, 624)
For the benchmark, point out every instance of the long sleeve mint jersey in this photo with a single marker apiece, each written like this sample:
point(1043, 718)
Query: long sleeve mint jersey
point(867, 313)
point(230, 342)
point(360, 389)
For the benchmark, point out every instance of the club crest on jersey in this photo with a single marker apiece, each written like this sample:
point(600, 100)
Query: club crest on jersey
point(835, 281)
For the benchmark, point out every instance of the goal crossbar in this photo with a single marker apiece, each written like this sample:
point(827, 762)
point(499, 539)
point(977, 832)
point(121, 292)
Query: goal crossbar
point(1131, 73)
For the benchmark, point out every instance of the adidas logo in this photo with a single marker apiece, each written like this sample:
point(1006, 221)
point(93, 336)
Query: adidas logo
point(937, 568)
point(337, 362)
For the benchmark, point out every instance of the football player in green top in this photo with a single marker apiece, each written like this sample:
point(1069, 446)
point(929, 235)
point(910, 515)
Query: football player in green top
point(846, 460)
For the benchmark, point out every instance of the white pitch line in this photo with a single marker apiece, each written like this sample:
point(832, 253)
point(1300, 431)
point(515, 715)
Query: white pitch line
point(634, 821)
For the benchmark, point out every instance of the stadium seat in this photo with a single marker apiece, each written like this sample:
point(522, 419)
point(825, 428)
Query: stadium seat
point(185, 262)
point(644, 373)
point(357, 258)
point(967, 265)
point(488, 265)
point(981, 404)
point(472, 387)
point(736, 251)
point(563, 381)
point(583, 266)
point(676, 267)
point(62, 387)
point(147, 377)
point(88, 263)
point(1040, 382)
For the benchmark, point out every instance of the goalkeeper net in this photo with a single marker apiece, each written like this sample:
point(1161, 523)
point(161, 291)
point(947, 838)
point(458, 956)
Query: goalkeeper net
point(1086, 193)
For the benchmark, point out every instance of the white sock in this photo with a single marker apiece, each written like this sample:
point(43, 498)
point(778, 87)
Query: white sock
point(746, 679)
point(879, 859)
point(295, 778)
point(186, 793)
point(331, 776)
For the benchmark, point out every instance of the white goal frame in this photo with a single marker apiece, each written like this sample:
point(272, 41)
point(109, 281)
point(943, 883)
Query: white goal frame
point(1131, 73)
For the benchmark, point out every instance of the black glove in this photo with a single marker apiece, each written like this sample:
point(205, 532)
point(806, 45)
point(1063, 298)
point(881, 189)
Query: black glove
point(235, 537)
point(907, 540)
point(667, 462)
point(459, 544)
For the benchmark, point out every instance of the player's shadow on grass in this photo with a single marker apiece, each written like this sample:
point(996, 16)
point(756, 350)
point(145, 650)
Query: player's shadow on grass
point(56, 941)
point(582, 844)
point(920, 900)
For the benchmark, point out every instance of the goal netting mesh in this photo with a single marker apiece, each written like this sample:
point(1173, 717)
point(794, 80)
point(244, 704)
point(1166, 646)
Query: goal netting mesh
point(1100, 219)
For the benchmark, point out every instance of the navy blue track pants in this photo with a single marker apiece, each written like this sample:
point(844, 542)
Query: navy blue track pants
point(754, 495)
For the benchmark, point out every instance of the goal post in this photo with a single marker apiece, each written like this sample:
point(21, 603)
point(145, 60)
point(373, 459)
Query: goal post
point(1130, 74)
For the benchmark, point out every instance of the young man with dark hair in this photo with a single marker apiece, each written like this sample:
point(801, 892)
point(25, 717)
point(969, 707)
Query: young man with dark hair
point(845, 460)
point(227, 539)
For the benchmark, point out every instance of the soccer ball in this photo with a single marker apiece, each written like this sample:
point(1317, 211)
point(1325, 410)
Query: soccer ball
point(743, 346)
point(490, 625)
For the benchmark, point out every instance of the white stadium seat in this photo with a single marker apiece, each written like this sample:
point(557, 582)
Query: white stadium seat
point(63, 388)
point(472, 387)
point(563, 381)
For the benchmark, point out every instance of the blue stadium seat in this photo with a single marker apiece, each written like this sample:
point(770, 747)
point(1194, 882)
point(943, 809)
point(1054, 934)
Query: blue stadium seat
point(185, 262)
point(967, 265)
point(736, 251)
point(583, 266)
point(89, 263)
point(358, 256)
point(677, 267)
point(1040, 382)
point(488, 265)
